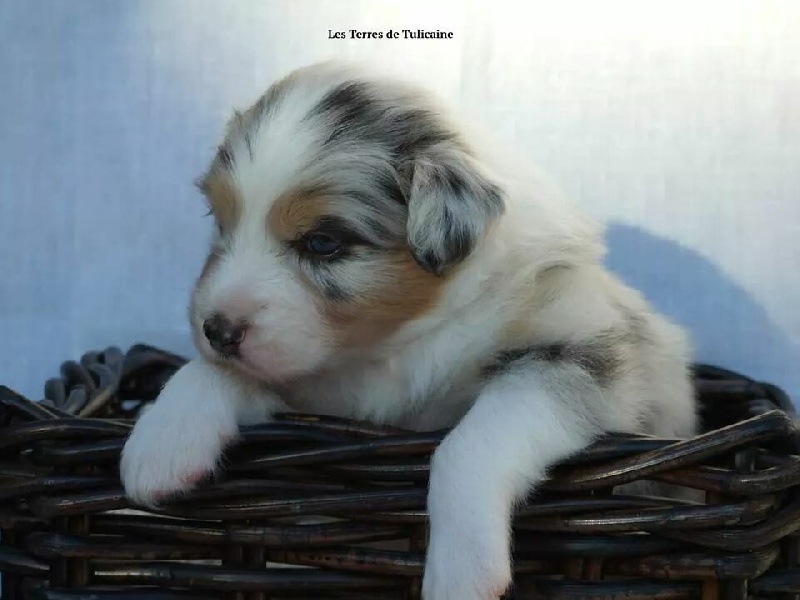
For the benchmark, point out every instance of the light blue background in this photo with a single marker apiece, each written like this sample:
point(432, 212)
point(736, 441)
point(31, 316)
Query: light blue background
point(679, 126)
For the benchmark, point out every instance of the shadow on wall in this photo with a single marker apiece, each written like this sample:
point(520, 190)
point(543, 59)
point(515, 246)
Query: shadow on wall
point(728, 326)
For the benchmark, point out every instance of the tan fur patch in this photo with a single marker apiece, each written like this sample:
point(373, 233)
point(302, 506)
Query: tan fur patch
point(223, 198)
point(294, 214)
point(403, 291)
point(400, 291)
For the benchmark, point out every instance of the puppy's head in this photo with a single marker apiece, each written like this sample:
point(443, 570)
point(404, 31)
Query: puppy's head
point(343, 204)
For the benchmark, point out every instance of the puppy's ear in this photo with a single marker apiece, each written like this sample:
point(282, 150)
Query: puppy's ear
point(451, 204)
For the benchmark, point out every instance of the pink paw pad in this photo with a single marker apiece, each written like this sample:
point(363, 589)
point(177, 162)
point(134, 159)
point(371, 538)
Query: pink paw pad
point(189, 481)
point(194, 478)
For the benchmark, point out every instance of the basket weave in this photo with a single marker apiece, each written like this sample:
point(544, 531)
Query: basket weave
point(315, 507)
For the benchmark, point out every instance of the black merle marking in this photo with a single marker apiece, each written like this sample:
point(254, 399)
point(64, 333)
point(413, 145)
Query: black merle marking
point(349, 233)
point(328, 285)
point(354, 110)
point(466, 202)
point(458, 243)
point(419, 130)
point(391, 188)
point(599, 357)
point(350, 111)
point(376, 202)
point(427, 260)
point(225, 157)
point(268, 103)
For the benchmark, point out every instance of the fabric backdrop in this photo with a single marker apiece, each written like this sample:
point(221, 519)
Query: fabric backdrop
point(677, 123)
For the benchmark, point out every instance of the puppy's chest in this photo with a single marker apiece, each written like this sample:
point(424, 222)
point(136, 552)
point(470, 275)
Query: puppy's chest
point(414, 396)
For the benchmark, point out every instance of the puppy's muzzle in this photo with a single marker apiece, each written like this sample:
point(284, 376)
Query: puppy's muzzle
point(224, 336)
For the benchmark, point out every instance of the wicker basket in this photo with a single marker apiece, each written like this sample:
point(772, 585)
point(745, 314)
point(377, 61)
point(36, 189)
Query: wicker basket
point(325, 508)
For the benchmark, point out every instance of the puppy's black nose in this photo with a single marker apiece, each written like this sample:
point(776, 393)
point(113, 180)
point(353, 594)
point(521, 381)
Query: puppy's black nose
point(223, 335)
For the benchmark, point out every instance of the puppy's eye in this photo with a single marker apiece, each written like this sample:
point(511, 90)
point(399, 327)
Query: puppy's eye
point(323, 244)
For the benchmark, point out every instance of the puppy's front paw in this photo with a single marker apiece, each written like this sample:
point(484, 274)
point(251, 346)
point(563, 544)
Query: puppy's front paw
point(461, 565)
point(171, 450)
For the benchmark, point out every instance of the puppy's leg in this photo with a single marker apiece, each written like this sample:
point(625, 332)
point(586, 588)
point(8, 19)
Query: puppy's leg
point(180, 438)
point(525, 420)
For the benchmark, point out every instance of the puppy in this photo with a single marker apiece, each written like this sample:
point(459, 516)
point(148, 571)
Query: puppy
point(372, 261)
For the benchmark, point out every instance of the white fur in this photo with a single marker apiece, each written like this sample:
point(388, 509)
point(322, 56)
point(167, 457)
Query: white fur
point(178, 440)
point(287, 332)
point(538, 266)
point(474, 485)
